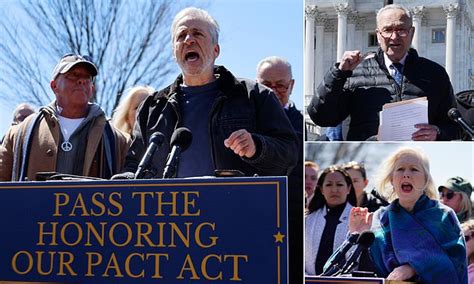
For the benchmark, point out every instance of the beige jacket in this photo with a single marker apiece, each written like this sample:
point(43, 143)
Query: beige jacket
point(45, 144)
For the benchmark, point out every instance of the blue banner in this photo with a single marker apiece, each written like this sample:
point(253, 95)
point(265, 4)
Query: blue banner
point(219, 230)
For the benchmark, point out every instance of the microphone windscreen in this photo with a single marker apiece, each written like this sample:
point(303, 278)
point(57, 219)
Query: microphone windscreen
point(366, 239)
point(454, 113)
point(181, 137)
point(157, 138)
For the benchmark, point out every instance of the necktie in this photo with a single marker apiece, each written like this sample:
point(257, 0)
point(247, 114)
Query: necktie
point(397, 75)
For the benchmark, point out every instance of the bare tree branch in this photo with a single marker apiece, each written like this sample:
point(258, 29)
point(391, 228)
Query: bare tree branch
point(128, 40)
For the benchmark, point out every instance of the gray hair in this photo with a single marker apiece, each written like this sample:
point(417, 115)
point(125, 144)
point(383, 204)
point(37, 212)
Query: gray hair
point(395, 7)
point(274, 60)
point(199, 14)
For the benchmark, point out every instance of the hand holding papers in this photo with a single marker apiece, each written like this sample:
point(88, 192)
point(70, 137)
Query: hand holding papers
point(397, 120)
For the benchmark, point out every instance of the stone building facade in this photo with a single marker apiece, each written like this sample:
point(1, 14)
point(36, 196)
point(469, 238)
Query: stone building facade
point(443, 33)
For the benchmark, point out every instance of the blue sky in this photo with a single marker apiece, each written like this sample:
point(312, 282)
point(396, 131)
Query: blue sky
point(250, 31)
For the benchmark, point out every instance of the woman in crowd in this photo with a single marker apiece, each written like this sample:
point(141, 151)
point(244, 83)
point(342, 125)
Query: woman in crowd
point(359, 179)
point(416, 237)
point(456, 193)
point(327, 217)
point(468, 230)
point(125, 113)
point(310, 179)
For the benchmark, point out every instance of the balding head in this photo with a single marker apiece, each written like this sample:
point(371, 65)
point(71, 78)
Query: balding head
point(21, 112)
point(275, 73)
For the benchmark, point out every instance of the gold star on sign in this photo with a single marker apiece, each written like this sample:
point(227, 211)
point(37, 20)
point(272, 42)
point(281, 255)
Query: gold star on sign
point(279, 237)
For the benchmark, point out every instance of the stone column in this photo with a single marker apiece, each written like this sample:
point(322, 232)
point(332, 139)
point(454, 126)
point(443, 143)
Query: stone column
point(417, 14)
point(310, 14)
point(451, 11)
point(342, 10)
point(319, 63)
point(352, 20)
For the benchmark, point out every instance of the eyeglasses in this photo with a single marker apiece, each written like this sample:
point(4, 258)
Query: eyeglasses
point(469, 237)
point(279, 87)
point(448, 194)
point(388, 33)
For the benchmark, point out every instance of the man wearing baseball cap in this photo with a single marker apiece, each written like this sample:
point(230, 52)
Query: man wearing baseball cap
point(68, 136)
point(456, 193)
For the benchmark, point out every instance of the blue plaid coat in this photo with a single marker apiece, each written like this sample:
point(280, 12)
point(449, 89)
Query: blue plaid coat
point(429, 239)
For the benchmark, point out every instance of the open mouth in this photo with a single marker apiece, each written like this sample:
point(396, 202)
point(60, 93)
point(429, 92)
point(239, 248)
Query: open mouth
point(191, 56)
point(395, 45)
point(407, 187)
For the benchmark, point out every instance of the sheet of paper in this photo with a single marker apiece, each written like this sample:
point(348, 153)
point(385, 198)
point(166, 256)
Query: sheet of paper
point(397, 120)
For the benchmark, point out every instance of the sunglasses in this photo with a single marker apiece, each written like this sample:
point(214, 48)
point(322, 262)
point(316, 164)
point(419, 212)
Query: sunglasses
point(448, 195)
point(469, 237)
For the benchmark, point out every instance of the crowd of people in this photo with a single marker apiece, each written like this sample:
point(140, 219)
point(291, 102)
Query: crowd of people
point(236, 124)
point(247, 126)
point(422, 231)
point(358, 86)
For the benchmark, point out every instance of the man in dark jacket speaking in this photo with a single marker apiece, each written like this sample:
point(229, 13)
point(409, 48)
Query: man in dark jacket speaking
point(394, 73)
point(236, 124)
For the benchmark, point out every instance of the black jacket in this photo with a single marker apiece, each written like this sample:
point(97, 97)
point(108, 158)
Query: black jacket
point(296, 177)
point(240, 104)
point(373, 201)
point(361, 94)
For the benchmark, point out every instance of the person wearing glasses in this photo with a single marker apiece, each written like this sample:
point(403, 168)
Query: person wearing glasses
point(236, 124)
point(468, 230)
point(275, 73)
point(69, 136)
point(358, 86)
point(456, 193)
point(417, 238)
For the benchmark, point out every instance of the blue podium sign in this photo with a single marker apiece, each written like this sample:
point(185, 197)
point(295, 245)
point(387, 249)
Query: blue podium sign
point(219, 230)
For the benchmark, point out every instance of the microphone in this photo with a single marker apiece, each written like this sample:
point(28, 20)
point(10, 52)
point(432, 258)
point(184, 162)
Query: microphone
point(155, 141)
point(338, 257)
point(380, 198)
point(180, 141)
point(455, 115)
point(365, 241)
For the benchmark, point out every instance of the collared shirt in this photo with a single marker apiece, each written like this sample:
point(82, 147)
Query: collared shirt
point(389, 62)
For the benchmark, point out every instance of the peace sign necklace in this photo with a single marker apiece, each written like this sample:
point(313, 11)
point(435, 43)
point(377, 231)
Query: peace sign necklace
point(66, 146)
point(68, 126)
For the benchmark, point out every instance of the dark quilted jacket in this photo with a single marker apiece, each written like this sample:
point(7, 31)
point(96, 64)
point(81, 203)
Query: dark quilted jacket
point(361, 94)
